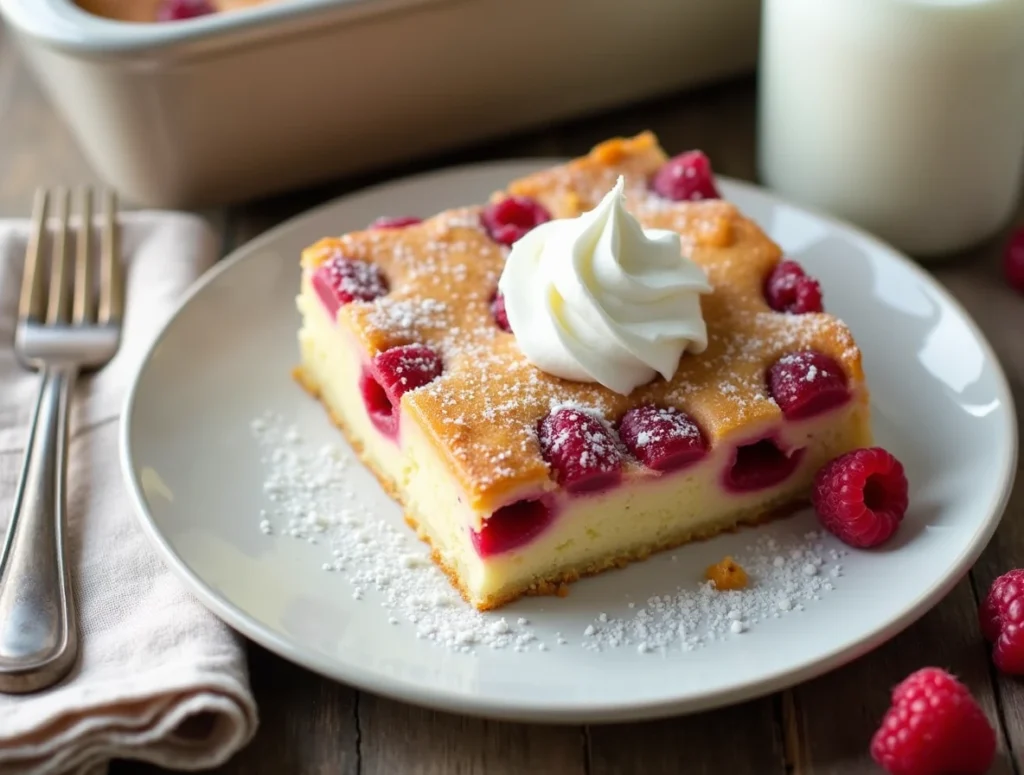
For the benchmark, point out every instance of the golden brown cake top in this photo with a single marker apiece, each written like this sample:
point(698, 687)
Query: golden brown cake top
point(483, 412)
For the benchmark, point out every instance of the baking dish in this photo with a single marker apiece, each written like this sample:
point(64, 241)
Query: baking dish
point(251, 102)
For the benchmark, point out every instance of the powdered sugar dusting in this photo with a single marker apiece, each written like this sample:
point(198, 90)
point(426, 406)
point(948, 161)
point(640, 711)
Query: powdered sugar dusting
point(786, 575)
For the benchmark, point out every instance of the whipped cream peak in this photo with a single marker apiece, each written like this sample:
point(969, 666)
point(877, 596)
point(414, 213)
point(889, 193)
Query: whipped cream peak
point(599, 298)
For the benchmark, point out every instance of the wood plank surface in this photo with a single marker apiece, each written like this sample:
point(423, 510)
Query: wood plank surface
point(745, 738)
point(395, 737)
point(977, 281)
point(313, 725)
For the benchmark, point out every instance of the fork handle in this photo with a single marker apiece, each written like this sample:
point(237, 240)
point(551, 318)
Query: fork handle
point(38, 629)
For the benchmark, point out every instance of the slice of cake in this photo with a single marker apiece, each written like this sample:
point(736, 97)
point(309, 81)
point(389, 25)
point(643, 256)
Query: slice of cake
point(652, 371)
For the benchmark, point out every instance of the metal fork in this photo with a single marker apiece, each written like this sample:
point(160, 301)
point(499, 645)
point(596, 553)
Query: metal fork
point(69, 321)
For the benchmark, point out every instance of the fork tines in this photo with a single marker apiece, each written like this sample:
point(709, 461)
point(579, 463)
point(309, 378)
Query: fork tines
point(72, 286)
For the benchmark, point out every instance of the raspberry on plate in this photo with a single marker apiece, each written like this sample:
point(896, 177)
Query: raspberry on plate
point(1013, 261)
point(1002, 621)
point(934, 727)
point(861, 496)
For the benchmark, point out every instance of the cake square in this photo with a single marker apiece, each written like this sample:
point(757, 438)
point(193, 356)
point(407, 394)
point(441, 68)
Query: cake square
point(523, 481)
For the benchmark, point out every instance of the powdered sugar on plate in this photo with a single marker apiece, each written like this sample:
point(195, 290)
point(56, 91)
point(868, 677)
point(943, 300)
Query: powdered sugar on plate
point(786, 574)
point(310, 499)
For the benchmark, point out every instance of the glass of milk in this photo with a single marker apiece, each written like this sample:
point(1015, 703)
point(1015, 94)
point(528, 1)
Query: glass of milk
point(905, 117)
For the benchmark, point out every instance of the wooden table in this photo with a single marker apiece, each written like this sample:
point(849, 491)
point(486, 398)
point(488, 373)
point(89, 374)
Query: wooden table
point(312, 725)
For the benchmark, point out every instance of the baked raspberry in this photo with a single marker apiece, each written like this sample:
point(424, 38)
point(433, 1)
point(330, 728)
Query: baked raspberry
point(934, 727)
point(510, 527)
point(342, 280)
point(687, 177)
point(861, 496)
point(759, 465)
point(1002, 621)
point(1013, 261)
point(807, 383)
point(789, 289)
point(179, 10)
point(664, 439)
point(498, 310)
point(508, 220)
point(394, 373)
point(581, 450)
point(396, 222)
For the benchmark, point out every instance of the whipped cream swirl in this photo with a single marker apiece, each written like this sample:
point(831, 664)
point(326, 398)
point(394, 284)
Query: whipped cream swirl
point(599, 298)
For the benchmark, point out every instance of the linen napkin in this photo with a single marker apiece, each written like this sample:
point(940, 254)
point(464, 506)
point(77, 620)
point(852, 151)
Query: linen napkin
point(158, 678)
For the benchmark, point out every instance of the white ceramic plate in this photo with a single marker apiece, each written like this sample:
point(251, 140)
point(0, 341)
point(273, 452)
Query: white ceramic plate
point(940, 403)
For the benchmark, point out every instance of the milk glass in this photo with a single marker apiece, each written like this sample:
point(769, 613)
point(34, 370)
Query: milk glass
point(905, 117)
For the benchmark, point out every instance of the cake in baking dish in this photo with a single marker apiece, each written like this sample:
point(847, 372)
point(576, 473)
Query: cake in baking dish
point(604, 361)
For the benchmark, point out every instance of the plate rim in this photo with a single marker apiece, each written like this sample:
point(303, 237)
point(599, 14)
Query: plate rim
point(404, 690)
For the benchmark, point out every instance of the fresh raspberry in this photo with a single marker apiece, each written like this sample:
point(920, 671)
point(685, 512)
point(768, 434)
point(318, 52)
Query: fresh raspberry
point(1013, 261)
point(789, 289)
point(580, 449)
point(861, 496)
point(396, 222)
point(179, 10)
point(341, 280)
point(806, 383)
point(1002, 621)
point(664, 439)
point(393, 374)
point(508, 220)
point(934, 727)
point(498, 310)
point(687, 177)
point(510, 527)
